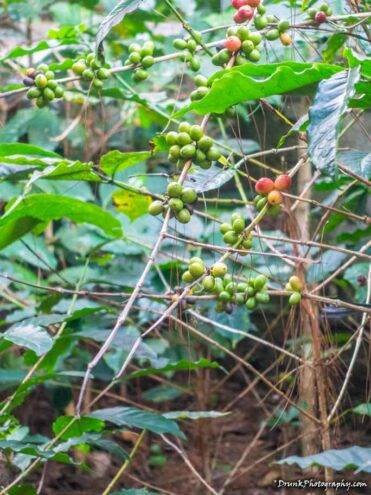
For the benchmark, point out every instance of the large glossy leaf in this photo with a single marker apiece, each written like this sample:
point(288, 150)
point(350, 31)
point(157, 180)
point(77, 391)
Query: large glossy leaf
point(136, 418)
point(328, 263)
point(39, 208)
point(131, 203)
point(115, 160)
point(207, 180)
point(254, 81)
point(357, 161)
point(29, 336)
point(355, 458)
point(114, 17)
point(325, 115)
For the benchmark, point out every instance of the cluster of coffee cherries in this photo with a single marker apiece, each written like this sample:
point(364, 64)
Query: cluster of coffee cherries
point(91, 69)
point(269, 191)
point(202, 88)
point(320, 15)
point(246, 10)
point(142, 58)
point(233, 232)
point(191, 143)
point(43, 86)
point(178, 199)
point(295, 286)
point(189, 46)
point(242, 43)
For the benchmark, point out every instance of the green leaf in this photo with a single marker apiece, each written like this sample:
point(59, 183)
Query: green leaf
point(136, 418)
point(355, 458)
point(29, 336)
point(357, 161)
point(333, 45)
point(363, 409)
point(182, 365)
point(115, 160)
point(195, 414)
point(23, 149)
point(328, 263)
point(325, 115)
point(77, 426)
point(39, 208)
point(131, 203)
point(254, 81)
point(114, 17)
point(22, 490)
point(206, 180)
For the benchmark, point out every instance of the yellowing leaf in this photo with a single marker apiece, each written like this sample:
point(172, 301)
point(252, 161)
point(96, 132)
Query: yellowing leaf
point(130, 203)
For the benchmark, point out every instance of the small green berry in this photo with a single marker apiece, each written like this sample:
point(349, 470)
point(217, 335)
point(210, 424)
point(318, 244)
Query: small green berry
point(176, 204)
point(179, 44)
point(188, 151)
point(174, 151)
point(230, 237)
point(250, 303)
point(200, 81)
point(254, 55)
point(219, 269)
point(148, 61)
point(134, 47)
point(238, 225)
point(283, 26)
point(171, 138)
point(183, 139)
point(196, 132)
point(155, 208)
point(187, 277)
point(183, 216)
point(174, 190)
point(259, 282)
point(135, 58)
point(205, 143)
point(213, 154)
point(191, 45)
point(189, 195)
point(140, 75)
point(196, 269)
point(272, 34)
point(262, 297)
point(225, 227)
point(295, 298)
point(41, 81)
point(88, 74)
point(49, 94)
point(33, 93)
point(184, 127)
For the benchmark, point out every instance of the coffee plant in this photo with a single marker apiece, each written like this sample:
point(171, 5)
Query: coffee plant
point(184, 246)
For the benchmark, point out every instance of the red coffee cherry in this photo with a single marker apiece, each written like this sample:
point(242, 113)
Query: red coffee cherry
point(253, 3)
point(275, 198)
point(320, 17)
point(243, 14)
point(232, 44)
point(238, 3)
point(282, 182)
point(264, 185)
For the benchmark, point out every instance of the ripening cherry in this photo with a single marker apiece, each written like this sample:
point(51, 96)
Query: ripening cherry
point(275, 198)
point(238, 3)
point(286, 39)
point(282, 182)
point(232, 43)
point(253, 3)
point(320, 17)
point(243, 14)
point(264, 185)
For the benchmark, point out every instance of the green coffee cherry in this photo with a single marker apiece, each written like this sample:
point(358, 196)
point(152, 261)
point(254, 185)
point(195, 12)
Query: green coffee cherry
point(174, 190)
point(260, 22)
point(187, 277)
point(147, 49)
point(148, 61)
point(33, 93)
point(194, 64)
point(259, 282)
point(191, 45)
point(188, 151)
point(98, 83)
point(79, 67)
point(239, 299)
point(295, 298)
point(41, 81)
point(262, 297)
point(272, 34)
point(256, 38)
point(261, 203)
point(184, 127)
point(283, 26)
point(43, 67)
point(224, 296)
point(183, 216)
point(103, 73)
point(88, 74)
point(200, 156)
point(184, 138)
point(196, 132)
point(254, 55)
point(155, 208)
point(179, 44)
point(243, 33)
point(171, 138)
point(174, 152)
point(238, 225)
point(251, 303)
point(49, 94)
point(140, 75)
point(225, 227)
point(248, 46)
point(219, 269)
point(52, 84)
point(189, 195)
point(213, 154)
point(208, 283)
point(176, 204)
point(200, 81)
point(205, 143)
point(230, 237)
point(197, 269)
